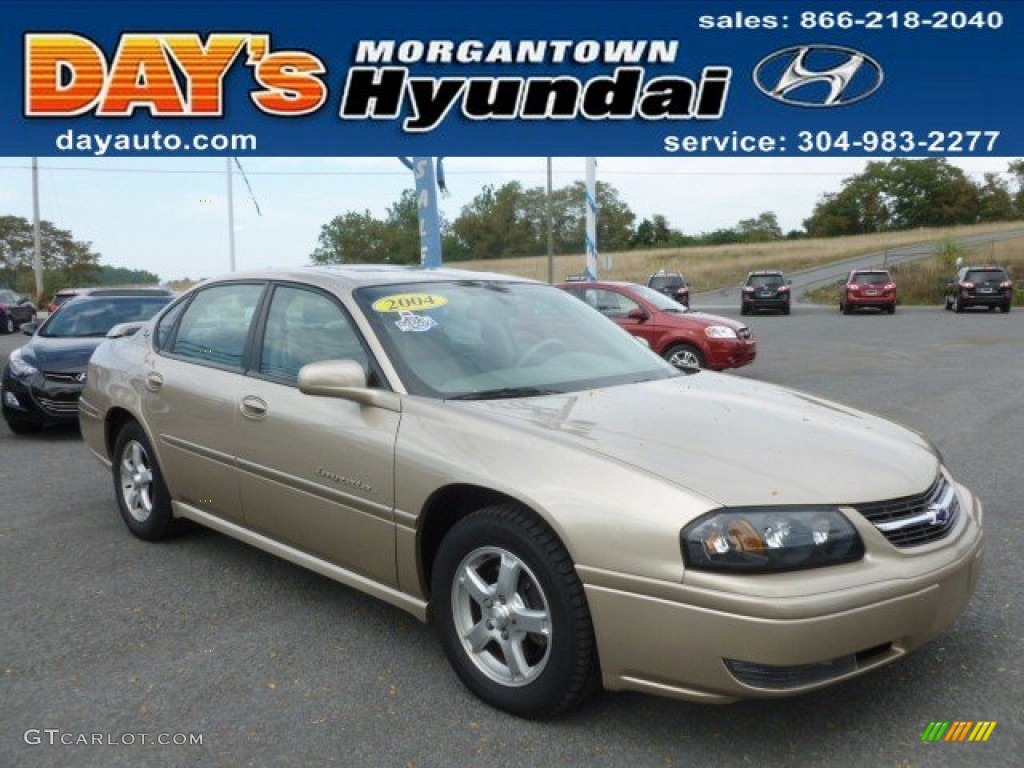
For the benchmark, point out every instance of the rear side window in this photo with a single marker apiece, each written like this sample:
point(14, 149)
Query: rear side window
point(215, 327)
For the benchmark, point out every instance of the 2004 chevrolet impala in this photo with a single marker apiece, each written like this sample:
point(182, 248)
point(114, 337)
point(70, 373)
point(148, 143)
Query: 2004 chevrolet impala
point(495, 456)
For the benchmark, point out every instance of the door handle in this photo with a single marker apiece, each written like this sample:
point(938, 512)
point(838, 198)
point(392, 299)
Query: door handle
point(154, 381)
point(253, 407)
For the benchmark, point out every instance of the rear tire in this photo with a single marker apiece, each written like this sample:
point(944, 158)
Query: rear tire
point(142, 495)
point(512, 614)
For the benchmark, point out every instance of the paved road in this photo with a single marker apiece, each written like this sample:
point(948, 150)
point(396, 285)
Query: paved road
point(272, 665)
point(828, 274)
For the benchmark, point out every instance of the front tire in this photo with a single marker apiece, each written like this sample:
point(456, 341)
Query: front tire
point(7, 326)
point(1005, 308)
point(142, 495)
point(685, 356)
point(958, 305)
point(512, 614)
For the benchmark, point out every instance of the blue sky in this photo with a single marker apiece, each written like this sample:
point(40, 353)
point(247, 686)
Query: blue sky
point(169, 216)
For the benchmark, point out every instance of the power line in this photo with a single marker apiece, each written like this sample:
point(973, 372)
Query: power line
point(454, 172)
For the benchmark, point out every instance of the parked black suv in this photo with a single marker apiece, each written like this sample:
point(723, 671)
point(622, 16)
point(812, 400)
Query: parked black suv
point(672, 284)
point(980, 287)
point(765, 289)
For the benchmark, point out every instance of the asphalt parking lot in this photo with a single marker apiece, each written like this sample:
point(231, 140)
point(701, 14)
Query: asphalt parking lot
point(106, 638)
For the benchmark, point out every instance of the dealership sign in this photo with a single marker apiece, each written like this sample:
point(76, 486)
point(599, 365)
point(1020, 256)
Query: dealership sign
point(647, 78)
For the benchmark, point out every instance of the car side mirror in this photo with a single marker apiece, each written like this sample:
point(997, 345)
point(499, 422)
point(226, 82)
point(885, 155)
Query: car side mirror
point(346, 380)
point(637, 314)
point(29, 329)
point(125, 329)
point(789, 282)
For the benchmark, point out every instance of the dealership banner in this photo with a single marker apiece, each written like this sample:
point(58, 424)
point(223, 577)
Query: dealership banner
point(758, 79)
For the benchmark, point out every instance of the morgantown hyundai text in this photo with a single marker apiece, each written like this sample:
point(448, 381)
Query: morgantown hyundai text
point(567, 508)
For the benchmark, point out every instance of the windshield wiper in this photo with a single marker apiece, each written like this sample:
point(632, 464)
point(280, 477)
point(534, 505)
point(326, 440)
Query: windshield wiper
point(506, 392)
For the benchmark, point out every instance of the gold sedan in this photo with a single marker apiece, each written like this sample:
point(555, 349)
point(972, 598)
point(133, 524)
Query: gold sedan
point(495, 456)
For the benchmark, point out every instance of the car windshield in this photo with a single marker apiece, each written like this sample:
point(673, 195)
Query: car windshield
point(9, 297)
point(872, 278)
point(659, 300)
point(765, 281)
point(479, 339)
point(985, 276)
point(94, 317)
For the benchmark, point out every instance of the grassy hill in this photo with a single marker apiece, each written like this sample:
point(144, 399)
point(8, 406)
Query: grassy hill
point(710, 267)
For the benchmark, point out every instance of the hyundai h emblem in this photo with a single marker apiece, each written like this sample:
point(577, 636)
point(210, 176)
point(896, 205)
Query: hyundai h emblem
point(818, 76)
point(939, 514)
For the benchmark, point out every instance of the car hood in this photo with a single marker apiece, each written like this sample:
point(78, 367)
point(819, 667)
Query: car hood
point(697, 319)
point(733, 440)
point(60, 354)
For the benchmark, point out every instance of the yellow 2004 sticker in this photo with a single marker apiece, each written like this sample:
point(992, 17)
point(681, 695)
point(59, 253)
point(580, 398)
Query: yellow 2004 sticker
point(409, 302)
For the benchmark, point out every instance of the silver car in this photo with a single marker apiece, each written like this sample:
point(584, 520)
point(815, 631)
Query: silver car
point(494, 456)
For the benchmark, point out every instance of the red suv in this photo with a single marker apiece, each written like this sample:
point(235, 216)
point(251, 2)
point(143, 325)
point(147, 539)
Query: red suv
point(868, 288)
point(686, 339)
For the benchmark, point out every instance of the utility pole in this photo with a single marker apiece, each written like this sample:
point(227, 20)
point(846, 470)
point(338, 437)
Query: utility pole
point(231, 216)
point(37, 261)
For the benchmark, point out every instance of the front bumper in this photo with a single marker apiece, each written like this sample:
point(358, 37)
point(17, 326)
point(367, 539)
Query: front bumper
point(730, 353)
point(40, 399)
point(690, 643)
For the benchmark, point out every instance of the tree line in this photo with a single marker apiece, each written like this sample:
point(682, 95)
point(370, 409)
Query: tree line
point(511, 220)
point(907, 194)
point(67, 262)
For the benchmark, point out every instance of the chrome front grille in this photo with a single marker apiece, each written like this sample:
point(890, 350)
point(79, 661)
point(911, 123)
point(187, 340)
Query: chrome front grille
point(915, 520)
point(59, 407)
point(65, 378)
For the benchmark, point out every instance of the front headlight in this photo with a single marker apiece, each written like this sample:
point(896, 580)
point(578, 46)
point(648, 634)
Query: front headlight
point(19, 367)
point(770, 539)
point(720, 332)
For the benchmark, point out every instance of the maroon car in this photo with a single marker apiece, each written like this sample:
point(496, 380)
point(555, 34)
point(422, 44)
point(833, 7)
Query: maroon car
point(868, 288)
point(685, 338)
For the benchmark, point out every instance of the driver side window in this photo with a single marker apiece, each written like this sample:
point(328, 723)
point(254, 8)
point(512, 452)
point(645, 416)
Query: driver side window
point(306, 327)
